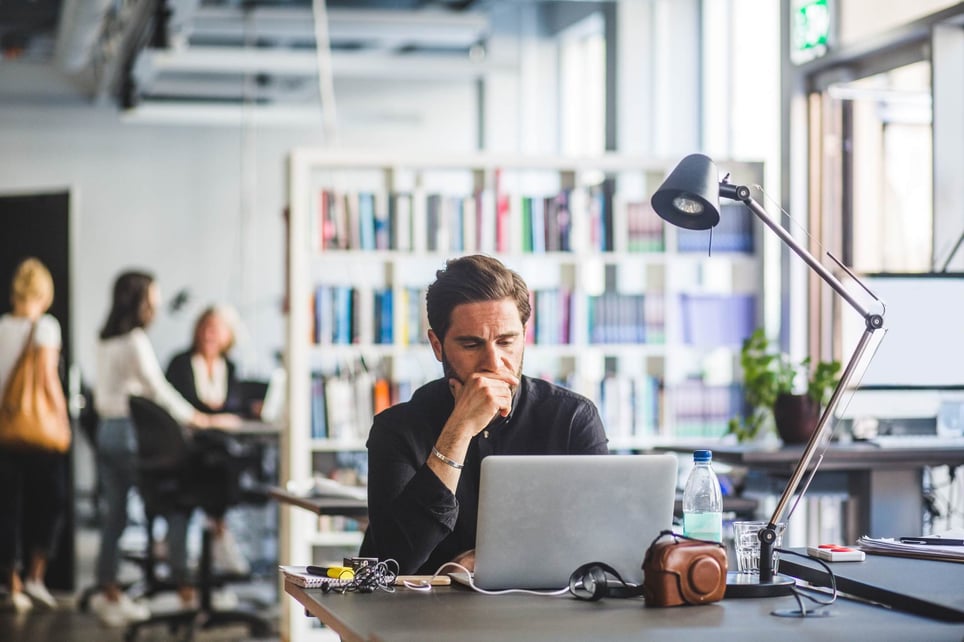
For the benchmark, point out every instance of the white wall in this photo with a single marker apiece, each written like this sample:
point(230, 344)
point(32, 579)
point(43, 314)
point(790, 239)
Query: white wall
point(860, 19)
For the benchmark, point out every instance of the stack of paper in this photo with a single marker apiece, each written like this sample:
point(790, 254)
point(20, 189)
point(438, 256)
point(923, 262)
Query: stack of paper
point(891, 546)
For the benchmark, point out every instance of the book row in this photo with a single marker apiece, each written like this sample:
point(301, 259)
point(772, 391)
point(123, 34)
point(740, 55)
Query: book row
point(345, 315)
point(582, 219)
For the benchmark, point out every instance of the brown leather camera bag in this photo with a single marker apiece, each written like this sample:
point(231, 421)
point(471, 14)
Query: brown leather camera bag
point(678, 570)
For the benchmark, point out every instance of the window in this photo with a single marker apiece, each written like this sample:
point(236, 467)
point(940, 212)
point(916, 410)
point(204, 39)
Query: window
point(891, 217)
point(582, 94)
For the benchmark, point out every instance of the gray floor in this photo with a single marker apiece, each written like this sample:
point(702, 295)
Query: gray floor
point(68, 624)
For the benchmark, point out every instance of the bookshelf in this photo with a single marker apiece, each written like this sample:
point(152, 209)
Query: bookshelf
point(626, 310)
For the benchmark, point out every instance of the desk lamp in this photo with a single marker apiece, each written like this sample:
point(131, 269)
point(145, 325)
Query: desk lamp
point(689, 198)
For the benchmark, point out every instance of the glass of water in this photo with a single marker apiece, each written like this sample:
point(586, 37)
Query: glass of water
point(746, 541)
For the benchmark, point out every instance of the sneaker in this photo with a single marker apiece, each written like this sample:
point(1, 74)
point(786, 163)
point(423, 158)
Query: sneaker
point(119, 613)
point(224, 600)
point(20, 602)
point(108, 612)
point(39, 593)
point(226, 556)
point(133, 611)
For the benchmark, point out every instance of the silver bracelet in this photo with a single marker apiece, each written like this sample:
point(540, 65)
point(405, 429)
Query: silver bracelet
point(451, 462)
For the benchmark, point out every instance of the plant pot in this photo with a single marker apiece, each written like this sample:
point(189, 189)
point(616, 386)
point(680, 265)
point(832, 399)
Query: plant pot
point(796, 417)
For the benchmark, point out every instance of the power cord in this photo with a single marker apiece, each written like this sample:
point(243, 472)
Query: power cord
point(800, 596)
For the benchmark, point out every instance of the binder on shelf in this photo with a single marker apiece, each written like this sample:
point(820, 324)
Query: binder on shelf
point(341, 315)
point(452, 208)
point(384, 316)
point(365, 211)
point(323, 318)
point(486, 210)
point(340, 407)
point(401, 222)
point(319, 419)
point(420, 229)
point(382, 221)
point(470, 224)
point(711, 320)
point(537, 206)
point(564, 221)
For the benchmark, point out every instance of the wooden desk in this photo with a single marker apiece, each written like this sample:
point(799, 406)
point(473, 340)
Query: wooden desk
point(457, 613)
point(885, 484)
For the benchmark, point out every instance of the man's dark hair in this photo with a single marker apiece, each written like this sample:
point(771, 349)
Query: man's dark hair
point(471, 279)
point(130, 307)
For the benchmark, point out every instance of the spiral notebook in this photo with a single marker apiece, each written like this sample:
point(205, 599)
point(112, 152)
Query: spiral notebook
point(299, 576)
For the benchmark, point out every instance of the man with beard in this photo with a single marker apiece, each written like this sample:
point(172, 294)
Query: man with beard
point(425, 455)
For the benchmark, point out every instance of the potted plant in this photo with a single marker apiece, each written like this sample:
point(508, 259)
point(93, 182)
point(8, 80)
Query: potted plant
point(771, 393)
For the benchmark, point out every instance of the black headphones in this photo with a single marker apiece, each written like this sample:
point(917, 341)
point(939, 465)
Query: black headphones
point(595, 580)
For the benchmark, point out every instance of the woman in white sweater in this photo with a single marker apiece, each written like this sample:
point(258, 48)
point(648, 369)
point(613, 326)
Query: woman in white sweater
point(127, 365)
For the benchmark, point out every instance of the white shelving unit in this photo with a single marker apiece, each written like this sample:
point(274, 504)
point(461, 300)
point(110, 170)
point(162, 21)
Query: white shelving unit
point(584, 271)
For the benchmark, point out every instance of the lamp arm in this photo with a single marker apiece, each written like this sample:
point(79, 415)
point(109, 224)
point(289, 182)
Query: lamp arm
point(742, 193)
point(872, 322)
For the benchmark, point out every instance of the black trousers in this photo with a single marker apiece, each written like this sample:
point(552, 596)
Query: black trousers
point(33, 496)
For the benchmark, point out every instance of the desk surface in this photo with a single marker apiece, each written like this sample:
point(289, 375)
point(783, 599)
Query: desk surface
point(457, 613)
point(853, 456)
point(347, 506)
point(255, 428)
point(925, 587)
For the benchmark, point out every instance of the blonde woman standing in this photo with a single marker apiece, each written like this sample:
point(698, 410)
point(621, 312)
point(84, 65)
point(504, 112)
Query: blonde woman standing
point(33, 483)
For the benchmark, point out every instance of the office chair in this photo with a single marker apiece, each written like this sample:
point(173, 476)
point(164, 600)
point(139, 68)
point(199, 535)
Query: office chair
point(164, 458)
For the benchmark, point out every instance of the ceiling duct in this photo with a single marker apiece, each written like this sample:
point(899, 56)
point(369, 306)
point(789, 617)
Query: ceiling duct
point(265, 55)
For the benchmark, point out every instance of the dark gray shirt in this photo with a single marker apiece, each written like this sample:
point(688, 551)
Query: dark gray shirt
point(413, 517)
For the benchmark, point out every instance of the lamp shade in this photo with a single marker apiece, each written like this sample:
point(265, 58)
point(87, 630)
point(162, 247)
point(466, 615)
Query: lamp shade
point(690, 195)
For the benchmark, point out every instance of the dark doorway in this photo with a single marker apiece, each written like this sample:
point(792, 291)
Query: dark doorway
point(39, 225)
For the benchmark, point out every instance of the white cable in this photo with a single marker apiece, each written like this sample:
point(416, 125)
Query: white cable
point(427, 586)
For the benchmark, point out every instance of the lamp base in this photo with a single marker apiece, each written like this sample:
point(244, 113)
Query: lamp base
point(748, 585)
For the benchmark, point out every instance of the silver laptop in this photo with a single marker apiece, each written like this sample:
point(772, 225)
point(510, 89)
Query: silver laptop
point(542, 516)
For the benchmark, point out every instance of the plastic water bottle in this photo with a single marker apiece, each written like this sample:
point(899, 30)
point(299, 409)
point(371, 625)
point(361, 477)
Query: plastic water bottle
point(702, 500)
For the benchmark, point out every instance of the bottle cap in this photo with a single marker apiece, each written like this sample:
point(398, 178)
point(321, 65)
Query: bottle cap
point(700, 456)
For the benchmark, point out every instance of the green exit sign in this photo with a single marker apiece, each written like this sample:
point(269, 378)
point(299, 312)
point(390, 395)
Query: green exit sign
point(809, 29)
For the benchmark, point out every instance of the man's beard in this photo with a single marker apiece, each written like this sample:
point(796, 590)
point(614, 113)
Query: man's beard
point(449, 372)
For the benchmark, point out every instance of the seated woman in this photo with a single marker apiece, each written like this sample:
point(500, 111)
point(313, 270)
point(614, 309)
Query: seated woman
point(207, 379)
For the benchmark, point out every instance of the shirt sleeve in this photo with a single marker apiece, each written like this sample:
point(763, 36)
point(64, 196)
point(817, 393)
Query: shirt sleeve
point(410, 510)
point(48, 332)
point(152, 378)
point(588, 435)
